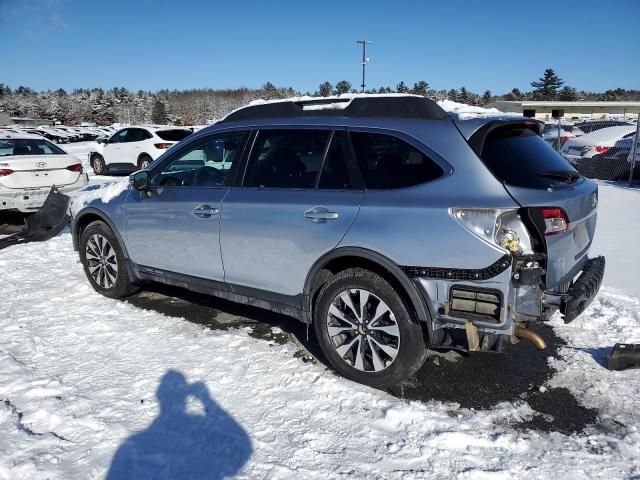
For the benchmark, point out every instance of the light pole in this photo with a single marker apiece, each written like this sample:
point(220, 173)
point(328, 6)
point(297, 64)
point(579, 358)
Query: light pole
point(365, 60)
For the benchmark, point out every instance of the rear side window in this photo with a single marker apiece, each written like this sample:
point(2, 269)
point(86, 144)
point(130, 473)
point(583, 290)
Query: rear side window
point(519, 157)
point(174, 135)
point(286, 158)
point(389, 162)
point(138, 135)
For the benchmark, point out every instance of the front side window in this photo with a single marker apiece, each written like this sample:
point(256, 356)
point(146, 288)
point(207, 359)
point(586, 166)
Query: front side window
point(119, 137)
point(209, 163)
point(286, 158)
point(389, 162)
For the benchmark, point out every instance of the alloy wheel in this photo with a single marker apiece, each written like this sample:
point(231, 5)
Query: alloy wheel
point(101, 261)
point(363, 330)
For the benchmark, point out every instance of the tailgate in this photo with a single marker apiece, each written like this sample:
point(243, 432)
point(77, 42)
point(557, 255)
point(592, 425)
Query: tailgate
point(567, 251)
point(536, 177)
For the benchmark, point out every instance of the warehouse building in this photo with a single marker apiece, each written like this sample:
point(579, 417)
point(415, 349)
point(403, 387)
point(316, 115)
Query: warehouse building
point(543, 110)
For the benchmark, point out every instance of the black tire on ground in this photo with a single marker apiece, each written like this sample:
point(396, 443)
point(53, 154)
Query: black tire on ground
point(411, 351)
point(144, 161)
point(98, 164)
point(121, 284)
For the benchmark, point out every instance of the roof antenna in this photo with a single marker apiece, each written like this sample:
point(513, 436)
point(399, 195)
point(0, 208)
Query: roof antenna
point(365, 59)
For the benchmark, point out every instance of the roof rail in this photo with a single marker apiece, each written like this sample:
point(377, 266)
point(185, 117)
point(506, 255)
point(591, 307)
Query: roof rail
point(393, 106)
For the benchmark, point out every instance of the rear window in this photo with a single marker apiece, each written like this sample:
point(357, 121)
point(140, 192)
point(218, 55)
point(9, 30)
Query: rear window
point(23, 146)
point(519, 157)
point(175, 135)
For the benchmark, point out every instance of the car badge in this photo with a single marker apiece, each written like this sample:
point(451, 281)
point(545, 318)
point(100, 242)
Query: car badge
point(41, 164)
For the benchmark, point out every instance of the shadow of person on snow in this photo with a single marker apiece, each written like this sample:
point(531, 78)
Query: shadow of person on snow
point(181, 442)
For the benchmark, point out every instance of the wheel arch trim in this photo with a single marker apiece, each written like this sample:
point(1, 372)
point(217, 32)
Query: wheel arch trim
point(77, 221)
point(418, 302)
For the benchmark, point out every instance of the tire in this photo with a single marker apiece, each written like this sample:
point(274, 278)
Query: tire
point(378, 365)
point(98, 164)
point(144, 161)
point(104, 262)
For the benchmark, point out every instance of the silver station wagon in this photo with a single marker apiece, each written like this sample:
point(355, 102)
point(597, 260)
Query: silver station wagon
point(385, 223)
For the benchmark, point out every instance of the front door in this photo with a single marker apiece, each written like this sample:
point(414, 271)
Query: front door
point(113, 149)
point(175, 226)
point(296, 203)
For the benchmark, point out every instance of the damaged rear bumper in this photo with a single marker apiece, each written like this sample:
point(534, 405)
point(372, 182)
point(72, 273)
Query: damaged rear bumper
point(581, 292)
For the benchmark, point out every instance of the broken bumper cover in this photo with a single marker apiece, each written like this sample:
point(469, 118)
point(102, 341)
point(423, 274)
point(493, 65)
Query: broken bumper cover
point(31, 200)
point(583, 290)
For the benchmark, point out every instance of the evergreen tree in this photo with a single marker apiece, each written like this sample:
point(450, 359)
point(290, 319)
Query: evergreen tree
point(402, 88)
point(464, 95)
point(325, 89)
point(269, 91)
point(453, 95)
point(546, 88)
point(420, 88)
point(568, 94)
point(487, 98)
point(159, 113)
point(343, 86)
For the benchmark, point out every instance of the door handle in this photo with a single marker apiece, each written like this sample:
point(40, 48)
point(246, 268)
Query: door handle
point(320, 214)
point(205, 211)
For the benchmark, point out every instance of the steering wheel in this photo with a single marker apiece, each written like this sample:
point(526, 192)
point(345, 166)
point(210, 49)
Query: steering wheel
point(171, 182)
point(207, 176)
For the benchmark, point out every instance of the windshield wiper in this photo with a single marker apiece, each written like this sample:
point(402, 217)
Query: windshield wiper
point(563, 175)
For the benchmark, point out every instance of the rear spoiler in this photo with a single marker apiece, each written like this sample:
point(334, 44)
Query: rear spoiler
point(477, 130)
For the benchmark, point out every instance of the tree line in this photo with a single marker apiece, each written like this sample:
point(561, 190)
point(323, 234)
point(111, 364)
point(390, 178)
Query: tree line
point(198, 106)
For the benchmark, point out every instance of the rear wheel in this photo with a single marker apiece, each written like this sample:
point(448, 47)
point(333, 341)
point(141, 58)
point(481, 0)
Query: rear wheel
point(366, 331)
point(104, 262)
point(144, 161)
point(98, 164)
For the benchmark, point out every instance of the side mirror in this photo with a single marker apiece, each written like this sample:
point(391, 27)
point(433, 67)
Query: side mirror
point(140, 180)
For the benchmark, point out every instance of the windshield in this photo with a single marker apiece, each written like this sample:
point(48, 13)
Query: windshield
point(519, 157)
point(24, 146)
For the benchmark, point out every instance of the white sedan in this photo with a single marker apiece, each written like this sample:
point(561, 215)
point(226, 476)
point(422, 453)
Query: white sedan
point(29, 166)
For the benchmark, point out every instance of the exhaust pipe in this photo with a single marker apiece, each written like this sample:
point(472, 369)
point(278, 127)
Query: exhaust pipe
point(533, 337)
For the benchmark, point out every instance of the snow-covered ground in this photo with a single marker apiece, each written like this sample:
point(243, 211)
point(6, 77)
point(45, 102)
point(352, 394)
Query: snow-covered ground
point(90, 387)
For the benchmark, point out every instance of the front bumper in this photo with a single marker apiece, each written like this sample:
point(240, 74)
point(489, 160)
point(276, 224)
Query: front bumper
point(31, 200)
point(583, 290)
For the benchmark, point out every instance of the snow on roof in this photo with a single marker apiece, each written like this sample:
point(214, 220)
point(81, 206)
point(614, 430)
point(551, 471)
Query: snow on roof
point(10, 135)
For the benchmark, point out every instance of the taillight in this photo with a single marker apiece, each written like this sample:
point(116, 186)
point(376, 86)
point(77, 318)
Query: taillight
point(555, 221)
point(76, 167)
point(5, 171)
point(162, 145)
point(601, 149)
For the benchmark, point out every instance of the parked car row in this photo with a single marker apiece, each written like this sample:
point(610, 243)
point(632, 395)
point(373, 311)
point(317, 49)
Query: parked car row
point(61, 133)
point(597, 149)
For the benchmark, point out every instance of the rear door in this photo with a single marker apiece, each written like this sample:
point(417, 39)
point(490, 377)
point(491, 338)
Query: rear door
point(297, 201)
point(537, 177)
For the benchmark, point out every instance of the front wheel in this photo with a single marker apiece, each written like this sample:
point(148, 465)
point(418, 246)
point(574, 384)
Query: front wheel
point(98, 164)
point(104, 262)
point(366, 331)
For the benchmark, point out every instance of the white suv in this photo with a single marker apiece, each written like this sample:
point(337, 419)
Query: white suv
point(134, 148)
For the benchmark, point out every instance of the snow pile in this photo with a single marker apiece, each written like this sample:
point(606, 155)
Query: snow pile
point(464, 111)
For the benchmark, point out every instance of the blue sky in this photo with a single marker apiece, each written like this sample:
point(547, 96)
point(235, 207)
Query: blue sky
point(154, 44)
